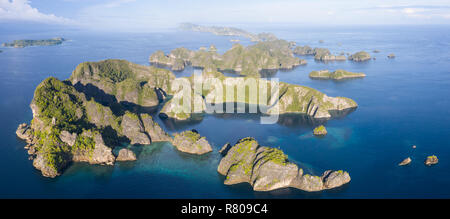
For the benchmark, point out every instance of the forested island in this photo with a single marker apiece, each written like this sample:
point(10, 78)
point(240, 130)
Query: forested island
point(335, 75)
point(320, 54)
point(252, 60)
point(228, 31)
point(83, 118)
point(26, 43)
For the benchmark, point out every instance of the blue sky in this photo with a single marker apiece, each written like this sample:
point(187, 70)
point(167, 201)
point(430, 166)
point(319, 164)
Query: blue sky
point(146, 15)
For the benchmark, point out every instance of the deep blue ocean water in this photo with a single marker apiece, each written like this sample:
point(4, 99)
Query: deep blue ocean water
point(402, 102)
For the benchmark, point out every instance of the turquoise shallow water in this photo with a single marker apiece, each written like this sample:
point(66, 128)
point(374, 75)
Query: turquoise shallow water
point(402, 102)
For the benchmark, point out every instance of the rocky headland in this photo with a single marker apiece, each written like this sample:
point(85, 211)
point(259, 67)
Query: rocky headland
point(336, 75)
point(267, 169)
point(126, 155)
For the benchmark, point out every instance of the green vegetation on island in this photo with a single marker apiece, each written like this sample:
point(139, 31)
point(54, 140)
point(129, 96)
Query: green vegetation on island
point(266, 169)
point(320, 54)
point(228, 31)
point(81, 122)
point(405, 162)
point(320, 131)
point(249, 61)
point(360, 56)
point(191, 142)
point(431, 160)
point(100, 106)
point(336, 75)
point(25, 43)
point(124, 82)
point(291, 99)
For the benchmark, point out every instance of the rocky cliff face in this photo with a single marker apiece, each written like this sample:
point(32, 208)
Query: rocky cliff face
point(291, 99)
point(126, 155)
point(320, 54)
point(270, 54)
point(71, 126)
point(120, 81)
point(305, 100)
point(191, 142)
point(267, 169)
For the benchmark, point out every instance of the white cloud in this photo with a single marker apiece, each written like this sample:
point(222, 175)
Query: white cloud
point(21, 10)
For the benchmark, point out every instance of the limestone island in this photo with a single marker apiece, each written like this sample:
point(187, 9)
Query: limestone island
point(320, 54)
point(291, 99)
point(126, 154)
point(191, 142)
point(431, 160)
point(25, 43)
point(405, 162)
point(320, 131)
point(253, 60)
point(227, 31)
point(83, 118)
point(105, 104)
point(336, 75)
point(266, 169)
point(360, 57)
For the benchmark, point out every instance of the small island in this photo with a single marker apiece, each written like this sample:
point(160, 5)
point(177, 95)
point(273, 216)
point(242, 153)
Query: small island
point(431, 160)
point(228, 31)
point(336, 75)
point(83, 118)
point(26, 43)
point(360, 56)
point(191, 142)
point(267, 169)
point(405, 162)
point(252, 60)
point(320, 54)
point(320, 131)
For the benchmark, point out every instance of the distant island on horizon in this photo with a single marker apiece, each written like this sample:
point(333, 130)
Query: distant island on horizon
point(26, 43)
point(228, 31)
